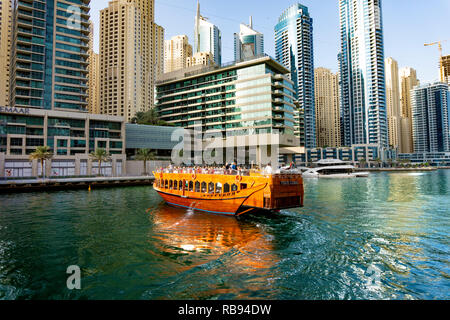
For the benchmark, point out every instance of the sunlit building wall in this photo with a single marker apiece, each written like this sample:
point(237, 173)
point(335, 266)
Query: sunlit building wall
point(408, 80)
point(131, 57)
point(176, 51)
point(393, 103)
point(327, 108)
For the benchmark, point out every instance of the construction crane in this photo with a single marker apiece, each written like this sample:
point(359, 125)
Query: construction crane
point(441, 65)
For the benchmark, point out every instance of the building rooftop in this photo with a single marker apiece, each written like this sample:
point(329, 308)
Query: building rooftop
point(194, 71)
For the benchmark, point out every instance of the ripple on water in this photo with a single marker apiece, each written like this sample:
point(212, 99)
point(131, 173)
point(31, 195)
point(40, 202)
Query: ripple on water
point(384, 237)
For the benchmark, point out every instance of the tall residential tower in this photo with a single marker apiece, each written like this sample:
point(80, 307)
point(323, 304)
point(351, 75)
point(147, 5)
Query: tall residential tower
point(294, 50)
point(176, 51)
point(207, 37)
point(393, 103)
point(408, 80)
point(327, 108)
point(361, 60)
point(50, 54)
point(131, 56)
point(5, 50)
point(430, 111)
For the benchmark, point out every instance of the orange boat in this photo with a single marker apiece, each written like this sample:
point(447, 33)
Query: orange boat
point(230, 194)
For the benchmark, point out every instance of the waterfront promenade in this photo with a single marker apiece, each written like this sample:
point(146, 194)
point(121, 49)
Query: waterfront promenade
point(26, 185)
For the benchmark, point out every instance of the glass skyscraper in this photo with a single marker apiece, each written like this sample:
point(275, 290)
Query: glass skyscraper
point(208, 37)
point(50, 54)
point(294, 50)
point(362, 73)
point(430, 113)
point(248, 42)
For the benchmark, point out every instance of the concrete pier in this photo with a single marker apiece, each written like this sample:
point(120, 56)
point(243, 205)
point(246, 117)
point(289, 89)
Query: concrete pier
point(39, 185)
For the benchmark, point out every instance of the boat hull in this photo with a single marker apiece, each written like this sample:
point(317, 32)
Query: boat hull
point(224, 206)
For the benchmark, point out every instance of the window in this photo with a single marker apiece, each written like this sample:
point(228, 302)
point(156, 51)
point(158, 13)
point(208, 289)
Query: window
point(211, 187)
point(170, 184)
point(180, 185)
point(218, 187)
point(175, 185)
point(226, 188)
point(234, 187)
point(197, 186)
point(204, 187)
point(243, 186)
point(191, 186)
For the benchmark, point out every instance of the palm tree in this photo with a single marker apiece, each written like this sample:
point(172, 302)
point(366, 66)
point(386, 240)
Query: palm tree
point(362, 162)
point(145, 155)
point(41, 154)
point(151, 117)
point(378, 161)
point(100, 155)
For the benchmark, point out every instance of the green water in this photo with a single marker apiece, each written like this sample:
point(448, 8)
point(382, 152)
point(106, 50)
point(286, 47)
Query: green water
point(385, 237)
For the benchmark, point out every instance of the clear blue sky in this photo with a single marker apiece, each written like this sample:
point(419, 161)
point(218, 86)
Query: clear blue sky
point(408, 24)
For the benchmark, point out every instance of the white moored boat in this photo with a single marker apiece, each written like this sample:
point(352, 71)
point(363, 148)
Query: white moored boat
point(333, 168)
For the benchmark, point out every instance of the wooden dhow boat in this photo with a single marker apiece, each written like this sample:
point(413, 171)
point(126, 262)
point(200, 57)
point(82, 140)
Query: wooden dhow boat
point(230, 194)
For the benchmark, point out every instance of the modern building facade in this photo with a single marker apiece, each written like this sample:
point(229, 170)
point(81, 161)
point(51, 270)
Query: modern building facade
point(248, 42)
point(200, 59)
point(408, 80)
point(430, 113)
point(176, 51)
point(244, 99)
point(94, 83)
point(370, 154)
point(5, 50)
point(71, 136)
point(131, 54)
point(362, 73)
point(446, 68)
point(328, 122)
point(294, 50)
point(49, 56)
point(207, 37)
point(393, 103)
point(50, 52)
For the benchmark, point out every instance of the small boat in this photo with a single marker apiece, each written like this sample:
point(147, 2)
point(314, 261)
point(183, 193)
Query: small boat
point(333, 168)
point(230, 194)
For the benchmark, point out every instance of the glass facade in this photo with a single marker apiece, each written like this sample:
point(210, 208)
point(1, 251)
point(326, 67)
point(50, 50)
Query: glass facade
point(249, 99)
point(362, 73)
point(431, 121)
point(248, 43)
point(294, 50)
point(50, 54)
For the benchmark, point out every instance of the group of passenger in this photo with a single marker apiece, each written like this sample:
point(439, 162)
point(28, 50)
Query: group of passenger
point(228, 169)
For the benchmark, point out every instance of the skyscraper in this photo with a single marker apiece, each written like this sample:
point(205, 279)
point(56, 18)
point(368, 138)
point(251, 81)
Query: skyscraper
point(200, 58)
point(294, 50)
point(430, 113)
point(408, 80)
point(446, 68)
point(176, 51)
point(393, 103)
point(327, 108)
point(131, 55)
point(5, 50)
point(49, 57)
point(207, 37)
point(248, 42)
point(362, 73)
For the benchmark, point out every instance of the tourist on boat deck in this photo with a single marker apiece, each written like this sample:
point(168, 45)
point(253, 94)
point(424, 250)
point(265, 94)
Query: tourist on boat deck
point(268, 169)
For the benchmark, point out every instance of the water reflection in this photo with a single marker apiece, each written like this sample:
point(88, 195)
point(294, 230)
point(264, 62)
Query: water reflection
point(203, 246)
